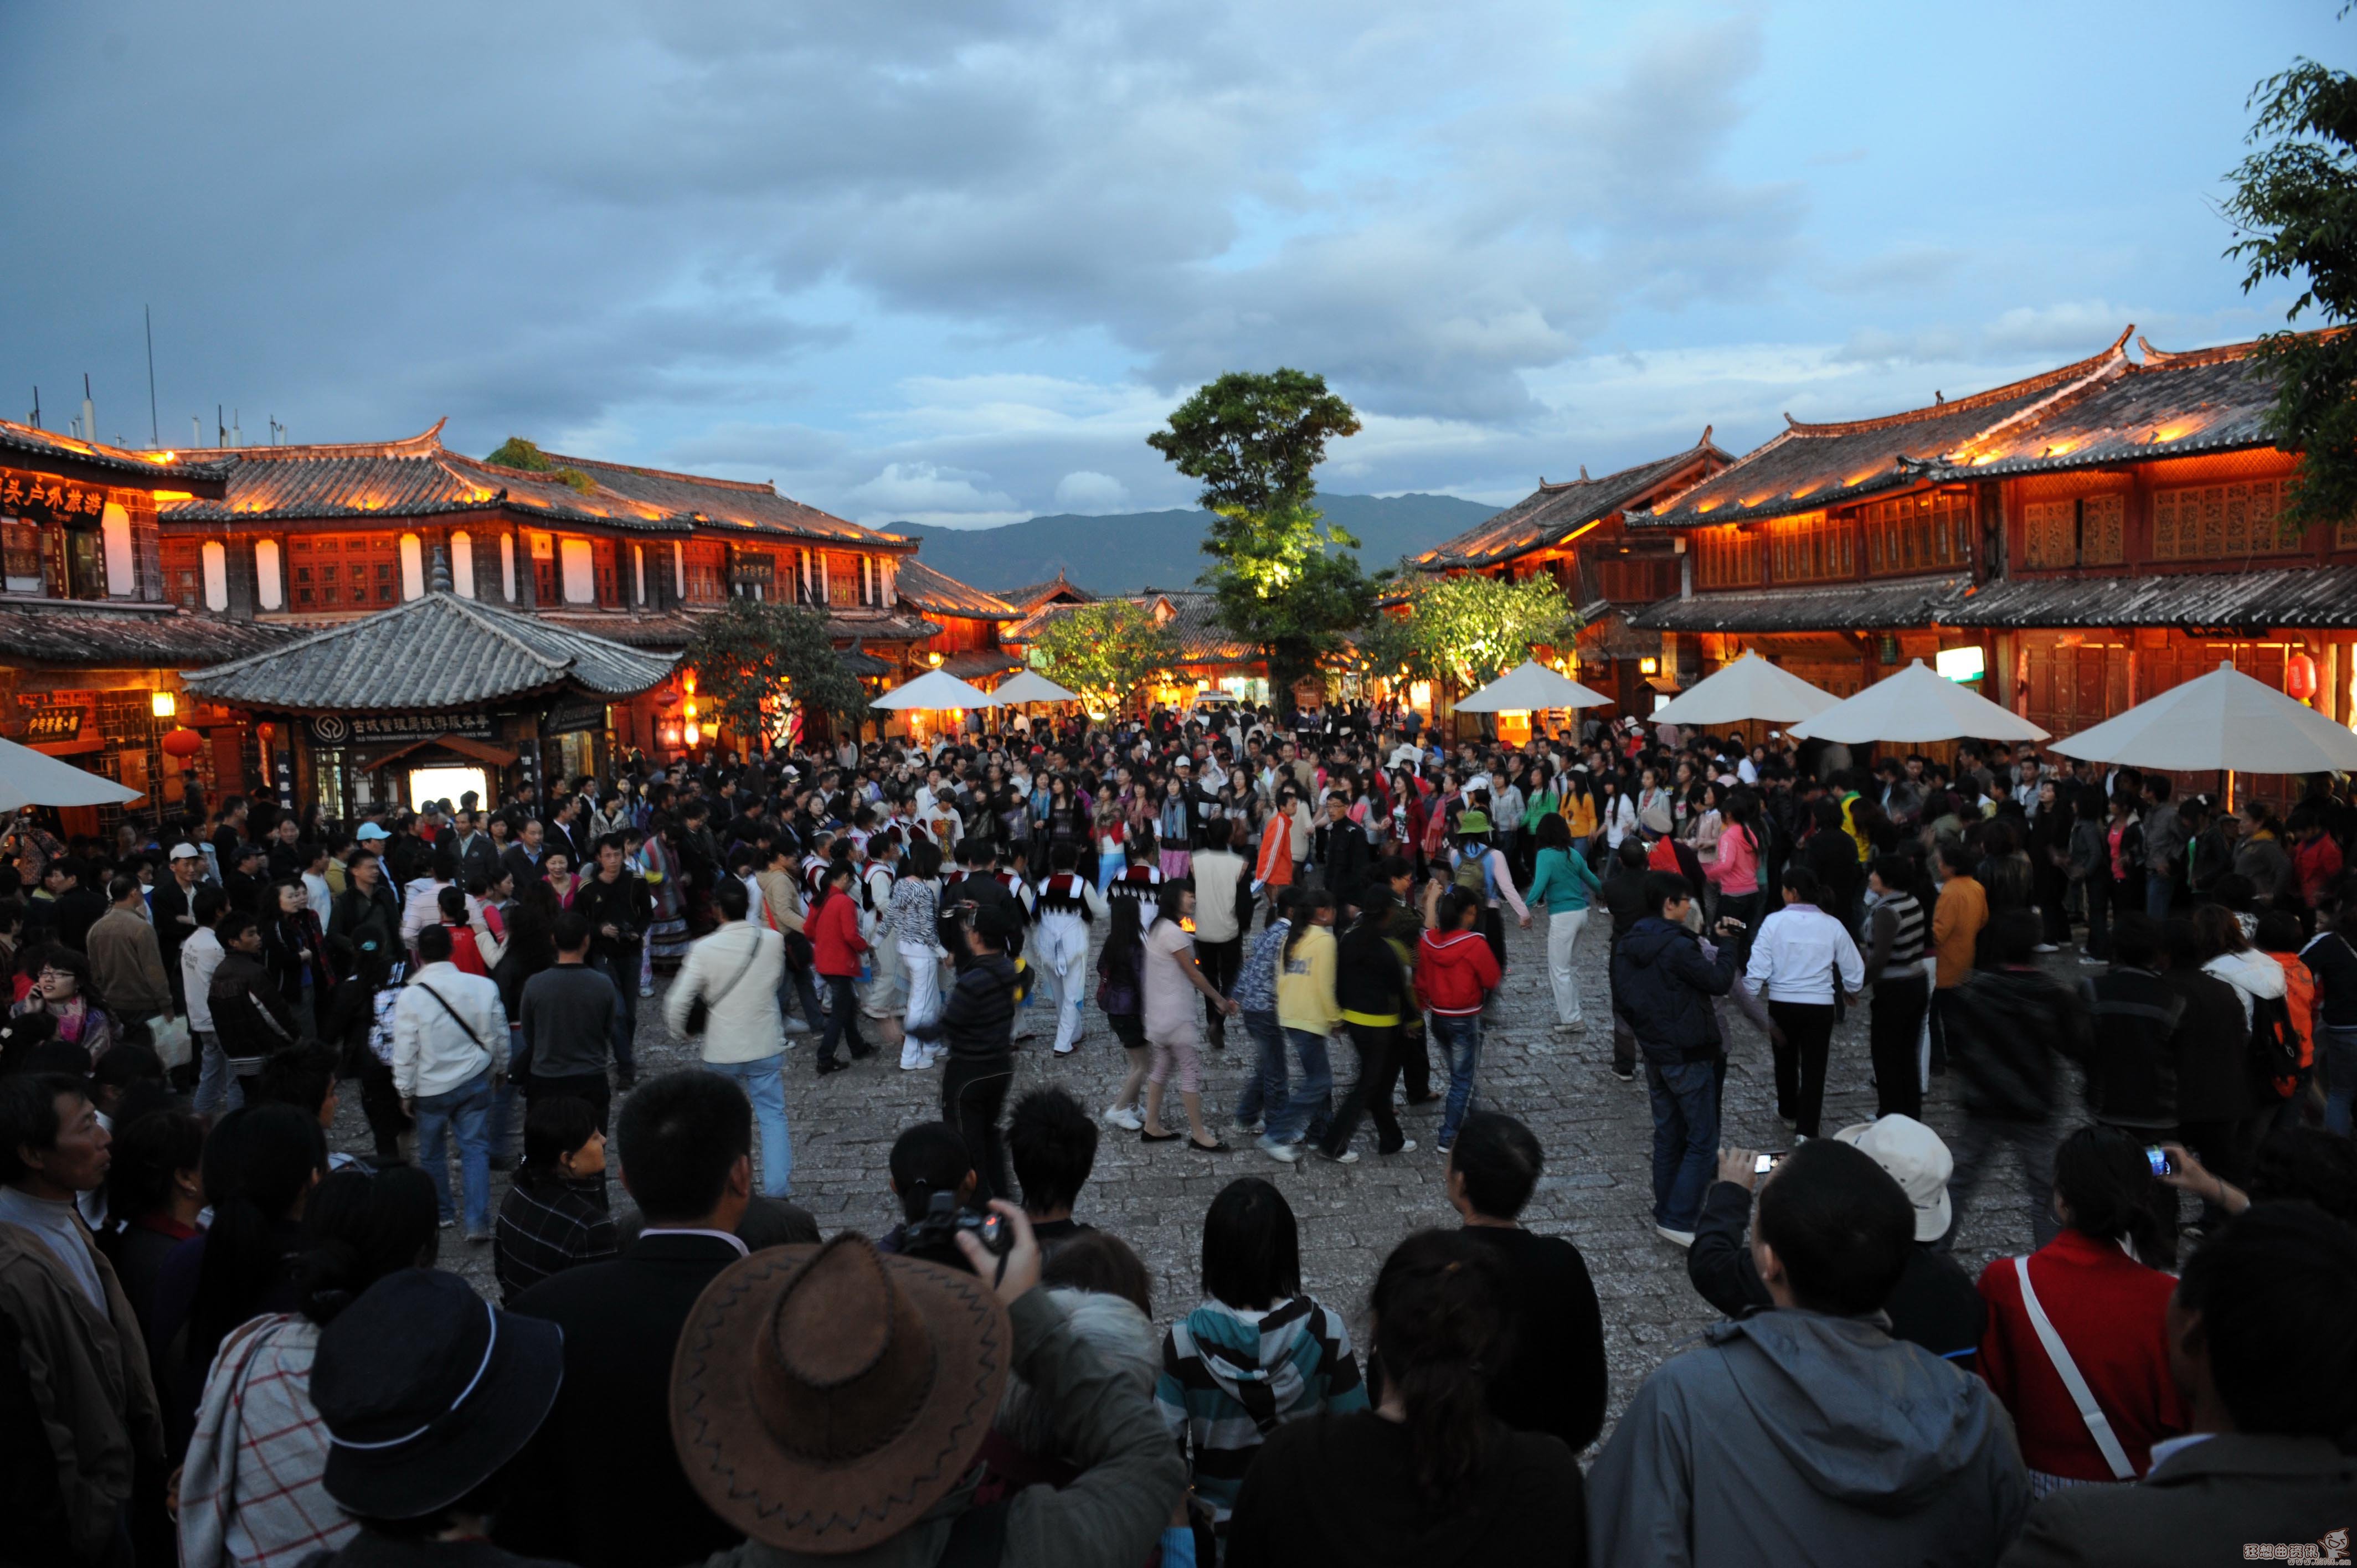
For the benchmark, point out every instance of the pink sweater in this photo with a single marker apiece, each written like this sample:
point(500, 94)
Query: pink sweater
point(1737, 869)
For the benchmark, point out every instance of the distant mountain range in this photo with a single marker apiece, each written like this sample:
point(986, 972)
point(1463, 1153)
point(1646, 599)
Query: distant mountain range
point(1127, 551)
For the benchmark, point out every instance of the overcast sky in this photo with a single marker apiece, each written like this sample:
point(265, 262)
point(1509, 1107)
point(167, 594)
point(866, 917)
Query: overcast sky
point(951, 262)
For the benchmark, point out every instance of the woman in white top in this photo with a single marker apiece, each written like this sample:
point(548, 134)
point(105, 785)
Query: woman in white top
point(1619, 812)
point(2254, 975)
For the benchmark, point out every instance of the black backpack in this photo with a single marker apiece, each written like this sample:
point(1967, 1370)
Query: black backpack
point(2275, 1046)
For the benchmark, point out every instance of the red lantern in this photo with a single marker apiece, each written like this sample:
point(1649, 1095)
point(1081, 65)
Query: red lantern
point(183, 743)
point(2300, 677)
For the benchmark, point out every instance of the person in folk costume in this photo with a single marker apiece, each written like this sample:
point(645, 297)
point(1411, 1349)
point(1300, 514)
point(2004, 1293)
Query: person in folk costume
point(1066, 905)
point(883, 998)
point(1141, 876)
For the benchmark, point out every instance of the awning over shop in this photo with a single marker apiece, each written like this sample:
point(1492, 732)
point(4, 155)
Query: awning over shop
point(497, 755)
point(2321, 597)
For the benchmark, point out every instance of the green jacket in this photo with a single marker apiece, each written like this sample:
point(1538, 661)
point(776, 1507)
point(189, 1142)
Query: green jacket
point(1132, 1474)
point(1563, 882)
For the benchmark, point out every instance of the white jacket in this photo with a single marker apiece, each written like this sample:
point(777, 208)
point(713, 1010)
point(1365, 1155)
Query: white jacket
point(1799, 950)
point(435, 1052)
point(200, 955)
point(735, 970)
point(2252, 973)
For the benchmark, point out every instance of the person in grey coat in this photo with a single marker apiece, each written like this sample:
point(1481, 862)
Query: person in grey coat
point(1805, 1434)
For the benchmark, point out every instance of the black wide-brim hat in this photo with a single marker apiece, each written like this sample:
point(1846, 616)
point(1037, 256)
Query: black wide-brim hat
point(427, 1390)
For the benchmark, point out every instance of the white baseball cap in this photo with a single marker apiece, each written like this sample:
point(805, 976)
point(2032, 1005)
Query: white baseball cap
point(1917, 1160)
point(184, 852)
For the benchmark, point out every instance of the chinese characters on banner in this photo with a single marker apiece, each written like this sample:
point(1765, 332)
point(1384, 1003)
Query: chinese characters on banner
point(38, 498)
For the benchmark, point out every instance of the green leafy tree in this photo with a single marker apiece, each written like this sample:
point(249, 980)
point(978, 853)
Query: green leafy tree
point(754, 655)
point(1470, 629)
point(2294, 210)
point(1283, 577)
point(516, 452)
point(1105, 651)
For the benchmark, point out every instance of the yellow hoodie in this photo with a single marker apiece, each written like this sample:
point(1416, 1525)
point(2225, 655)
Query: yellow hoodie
point(1305, 984)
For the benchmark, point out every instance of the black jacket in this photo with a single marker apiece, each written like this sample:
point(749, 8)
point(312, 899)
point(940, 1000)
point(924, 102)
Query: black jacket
point(1368, 975)
point(250, 1018)
point(977, 1018)
point(1934, 1304)
point(601, 1484)
point(1624, 894)
point(624, 904)
point(1341, 848)
point(366, 929)
point(2132, 1016)
point(2006, 1029)
point(2213, 1045)
point(1554, 1382)
point(74, 912)
point(1663, 986)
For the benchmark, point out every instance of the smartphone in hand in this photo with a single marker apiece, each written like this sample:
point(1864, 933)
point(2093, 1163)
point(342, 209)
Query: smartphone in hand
point(2163, 1163)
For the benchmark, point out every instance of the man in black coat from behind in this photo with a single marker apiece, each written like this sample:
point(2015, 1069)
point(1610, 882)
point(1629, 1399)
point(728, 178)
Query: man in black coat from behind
point(601, 1485)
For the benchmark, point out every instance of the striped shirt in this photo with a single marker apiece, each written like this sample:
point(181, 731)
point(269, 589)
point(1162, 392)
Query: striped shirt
point(1230, 1377)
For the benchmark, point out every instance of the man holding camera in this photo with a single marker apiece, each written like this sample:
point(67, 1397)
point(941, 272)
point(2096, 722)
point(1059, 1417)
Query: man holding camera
point(1663, 977)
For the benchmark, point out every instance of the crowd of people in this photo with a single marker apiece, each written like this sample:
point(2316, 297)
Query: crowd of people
point(230, 1342)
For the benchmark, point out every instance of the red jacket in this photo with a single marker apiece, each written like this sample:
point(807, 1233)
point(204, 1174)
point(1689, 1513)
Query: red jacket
point(2108, 1309)
point(834, 935)
point(1453, 968)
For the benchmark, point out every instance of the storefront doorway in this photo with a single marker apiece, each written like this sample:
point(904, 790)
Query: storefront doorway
point(447, 783)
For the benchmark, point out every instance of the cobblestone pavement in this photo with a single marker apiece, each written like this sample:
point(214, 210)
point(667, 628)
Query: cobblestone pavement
point(1597, 1132)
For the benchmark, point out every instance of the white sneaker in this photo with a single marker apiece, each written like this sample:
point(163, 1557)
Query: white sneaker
point(1126, 1119)
point(1682, 1238)
point(1347, 1157)
point(2045, 947)
point(795, 1026)
point(1408, 1147)
point(1285, 1153)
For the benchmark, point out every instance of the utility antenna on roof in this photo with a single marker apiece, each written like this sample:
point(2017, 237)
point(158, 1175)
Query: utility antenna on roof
point(196, 432)
point(89, 413)
point(36, 418)
point(236, 429)
point(154, 430)
point(220, 431)
point(276, 430)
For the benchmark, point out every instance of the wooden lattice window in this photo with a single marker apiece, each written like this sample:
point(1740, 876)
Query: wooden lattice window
point(2049, 533)
point(2213, 522)
point(708, 574)
point(2103, 531)
point(1931, 531)
point(326, 572)
point(843, 579)
point(1727, 558)
point(1813, 549)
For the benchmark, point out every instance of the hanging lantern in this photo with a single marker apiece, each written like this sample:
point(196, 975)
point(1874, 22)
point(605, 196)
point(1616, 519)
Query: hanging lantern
point(183, 743)
point(2300, 677)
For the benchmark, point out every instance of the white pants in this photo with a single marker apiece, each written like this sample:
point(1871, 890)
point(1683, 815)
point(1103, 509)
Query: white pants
point(923, 969)
point(1563, 934)
point(1063, 953)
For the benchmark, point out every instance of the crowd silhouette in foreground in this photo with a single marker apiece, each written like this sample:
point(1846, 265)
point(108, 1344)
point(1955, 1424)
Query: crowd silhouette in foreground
point(229, 1341)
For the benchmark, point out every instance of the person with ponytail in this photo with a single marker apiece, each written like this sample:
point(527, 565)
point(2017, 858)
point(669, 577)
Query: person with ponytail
point(261, 1164)
point(1430, 1474)
point(250, 1488)
point(2097, 1289)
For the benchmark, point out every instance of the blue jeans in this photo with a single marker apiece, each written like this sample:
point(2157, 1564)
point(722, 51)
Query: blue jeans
point(1460, 1041)
point(1685, 1138)
point(467, 1108)
point(218, 1090)
point(500, 1133)
point(764, 1083)
point(1307, 1107)
point(1264, 1085)
point(2338, 1048)
point(623, 970)
point(2158, 889)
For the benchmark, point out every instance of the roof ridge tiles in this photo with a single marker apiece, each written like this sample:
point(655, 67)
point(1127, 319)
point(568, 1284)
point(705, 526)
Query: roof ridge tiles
point(755, 487)
point(426, 443)
point(2076, 371)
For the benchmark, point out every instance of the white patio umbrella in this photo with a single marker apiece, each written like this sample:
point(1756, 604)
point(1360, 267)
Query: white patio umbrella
point(28, 778)
point(1750, 688)
point(936, 690)
point(2224, 720)
point(1030, 686)
point(1531, 687)
point(1915, 704)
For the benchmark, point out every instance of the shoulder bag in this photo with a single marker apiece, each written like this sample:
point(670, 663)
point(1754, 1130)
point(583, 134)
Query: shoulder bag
point(699, 1012)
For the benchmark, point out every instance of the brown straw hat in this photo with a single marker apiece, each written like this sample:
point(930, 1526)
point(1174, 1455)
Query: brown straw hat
point(824, 1399)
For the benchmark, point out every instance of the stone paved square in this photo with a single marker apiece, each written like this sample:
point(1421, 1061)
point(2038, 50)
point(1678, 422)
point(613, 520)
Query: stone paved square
point(1597, 1132)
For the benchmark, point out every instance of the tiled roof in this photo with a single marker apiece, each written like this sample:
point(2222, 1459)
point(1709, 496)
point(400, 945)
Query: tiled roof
point(979, 664)
point(2319, 597)
point(87, 633)
point(1837, 606)
point(2171, 405)
point(1810, 467)
point(419, 476)
point(135, 470)
point(757, 508)
point(1031, 596)
point(938, 593)
point(1194, 621)
point(437, 650)
point(1553, 513)
point(677, 627)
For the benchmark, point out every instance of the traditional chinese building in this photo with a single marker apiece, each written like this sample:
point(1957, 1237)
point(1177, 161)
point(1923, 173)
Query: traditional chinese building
point(2088, 538)
point(90, 643)
point(1210, 656)
point(967, 645)
point(433, 698)
point(1576, 532)
point(294, 537)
